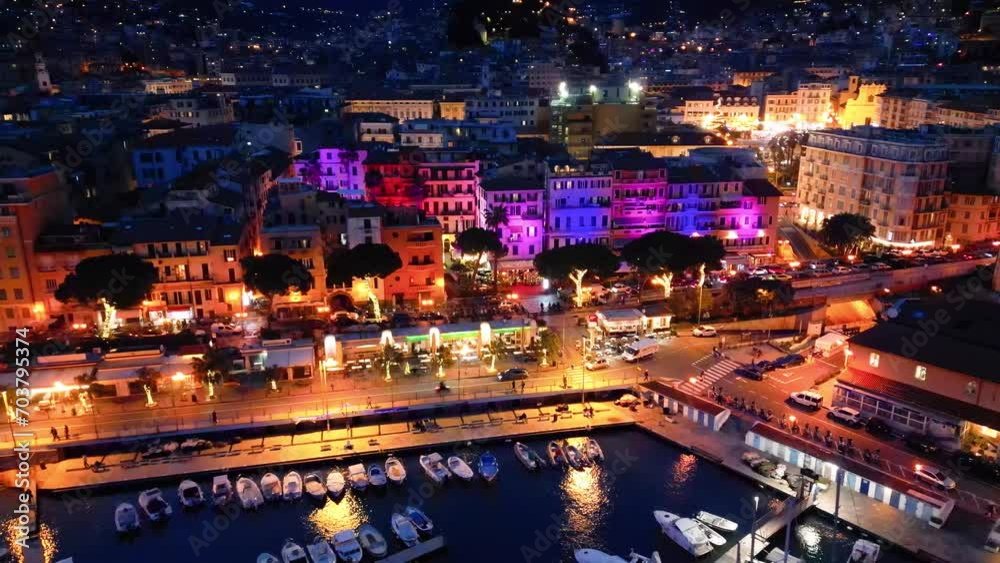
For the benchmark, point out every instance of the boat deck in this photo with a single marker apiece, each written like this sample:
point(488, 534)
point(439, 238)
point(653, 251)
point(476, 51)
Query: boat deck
point(420, 550)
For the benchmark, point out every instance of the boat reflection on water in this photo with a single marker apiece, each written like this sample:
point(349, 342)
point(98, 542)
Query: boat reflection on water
point(820, 540)
point(349, 513)
point(585, 498)
point(682, 471)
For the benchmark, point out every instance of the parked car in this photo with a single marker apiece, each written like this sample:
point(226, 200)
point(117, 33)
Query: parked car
point(845, 415)
point(933, 476)
point(979, 466)
point(808, 399)
point(512, 374)
point(527, 358)
point(763, 366)
point(921, 444)
point(750, 373)
point(596, 364)
point(878, 427)
point(704, 331)
point(842, 270)
point(789, 361)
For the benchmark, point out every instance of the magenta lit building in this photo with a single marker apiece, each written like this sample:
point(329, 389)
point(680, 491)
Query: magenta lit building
point(523, 235)
point(638, 192)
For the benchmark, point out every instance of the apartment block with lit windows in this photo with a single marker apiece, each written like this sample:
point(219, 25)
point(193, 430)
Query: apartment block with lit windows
point(304, 243)
point(400, 107)
point(524, 200)
point(578, 205)
point(417, 240)
point(895, 178)
point(29, 201)
point(638, 193)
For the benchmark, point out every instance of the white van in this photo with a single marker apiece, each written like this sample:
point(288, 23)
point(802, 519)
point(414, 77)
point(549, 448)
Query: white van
point(807, 399)
point(642, 348)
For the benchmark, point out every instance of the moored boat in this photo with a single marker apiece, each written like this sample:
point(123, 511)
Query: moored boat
point(528, 456)
point(489, 467)
point(292, 552)
point(395, 470)
point(420, 520)
point(126, 518)
point(434, 468)
point(190, 494)
point(347, 546)
point(222, 490)
point(556, 454)
point(335, 483)
point(270, 487)
point(291, 486)
point(404, 529)
point(573, 456)
point(715, 538)
point(460, 469)
point(249, 493)
point(321, 552)
point(717, 522)
point(372, 540)
point(376, 475)
point(314, 487)
point(595, 556)
point(594, 451)
point(267, 558)
point(357, 477)
point(864, 551)
point(152, 504)
point(684, 531)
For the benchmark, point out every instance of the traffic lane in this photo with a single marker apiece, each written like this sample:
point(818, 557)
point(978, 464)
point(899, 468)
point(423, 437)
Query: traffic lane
point(894, 458)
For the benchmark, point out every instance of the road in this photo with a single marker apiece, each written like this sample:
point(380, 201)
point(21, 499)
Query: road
point(355, 394)
point(972, 494)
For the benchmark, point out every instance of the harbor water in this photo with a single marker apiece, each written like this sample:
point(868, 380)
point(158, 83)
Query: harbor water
point(522, 516)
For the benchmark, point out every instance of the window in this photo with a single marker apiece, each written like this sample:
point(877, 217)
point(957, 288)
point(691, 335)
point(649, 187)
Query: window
point(18, 293)
point(3, 294)
point(51, 285)
point(15, 273)
point(873, 360)
point(920, 373)
point(971, 388)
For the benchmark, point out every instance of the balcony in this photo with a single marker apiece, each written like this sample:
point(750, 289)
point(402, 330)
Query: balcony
point(182, 279)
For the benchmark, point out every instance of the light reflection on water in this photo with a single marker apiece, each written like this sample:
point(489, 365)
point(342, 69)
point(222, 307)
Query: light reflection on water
point(47, 538)
point(348, 514)
point(585, 498)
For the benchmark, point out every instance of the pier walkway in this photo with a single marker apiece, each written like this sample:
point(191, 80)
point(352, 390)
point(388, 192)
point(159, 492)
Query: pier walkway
point(765, 531)
point(327, 446)
point(413, 553)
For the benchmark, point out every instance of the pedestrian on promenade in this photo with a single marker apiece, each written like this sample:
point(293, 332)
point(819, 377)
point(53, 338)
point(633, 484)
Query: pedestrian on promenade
point(215, 418)
point(513, 386)
point(645, 375)
point(565, 383)
point(55, 434)
point(86, 464)
point(74, 411)
point(66, 431)
point(369, 402)
point(522, 387)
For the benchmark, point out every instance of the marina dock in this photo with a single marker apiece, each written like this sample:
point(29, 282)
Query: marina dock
point(412, 553)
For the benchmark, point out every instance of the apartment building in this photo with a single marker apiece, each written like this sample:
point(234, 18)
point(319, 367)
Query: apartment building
point(523, 236)
point(304, 243)
point(519, 109)
point(342, 171)
point(372, 127)
point(401, 108)
point(731, 109)
point(161, 159)
point(30, 200)
point(440, 133)
point(199, 111)
point(810, 104)
point(578, 206)
point(180, 85)
point(638, 193)
point(863, 108)
point(895, 178)
point(418, 241)
point(579, 122)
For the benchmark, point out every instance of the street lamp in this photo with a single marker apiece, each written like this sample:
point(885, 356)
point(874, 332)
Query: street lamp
point(753, 527)
point(693, 380)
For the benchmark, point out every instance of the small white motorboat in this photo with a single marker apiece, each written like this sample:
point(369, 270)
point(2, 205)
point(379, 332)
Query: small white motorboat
point(556, 455)
point(357, 476)
point(249, 494)
point(335, 483)
point(321, 552)
point(528, 456)
point(489, 467)
point(717, 522)
point(376, 476)
point(594, 451)
point(460, 469)
point(595, 556)
point(314, 487)
point(126, 518)
point(292, 486)
point(395, 470)
point(573, 457)
point(222, 490)
point(865, 551)
point(685, 532)
point(270, 487)
point(715, 538)
point(267, 558)
point(434, 468)
point(292, 552)
point(404, 529)
point(152, 504)
point(372, 540)
point(347, 546)
point(420, 520)
point(190, 494)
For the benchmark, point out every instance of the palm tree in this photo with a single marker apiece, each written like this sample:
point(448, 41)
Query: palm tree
point(495, 216)
point(388, 356)
point(441, 360)
point(211, 366)
point(148, 376)
point(496, 350)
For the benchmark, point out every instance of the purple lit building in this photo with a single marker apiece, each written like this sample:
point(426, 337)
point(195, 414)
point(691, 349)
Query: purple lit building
point(523, 235)
point(579, 205)
point(638, 192)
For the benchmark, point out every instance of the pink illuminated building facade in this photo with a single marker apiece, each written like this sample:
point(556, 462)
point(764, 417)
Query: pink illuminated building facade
point(523, 236)
point(579, 205)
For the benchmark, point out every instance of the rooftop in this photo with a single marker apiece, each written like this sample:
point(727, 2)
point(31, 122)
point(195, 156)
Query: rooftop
point(511, 183)
point(677, 137)
point(217, 135)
